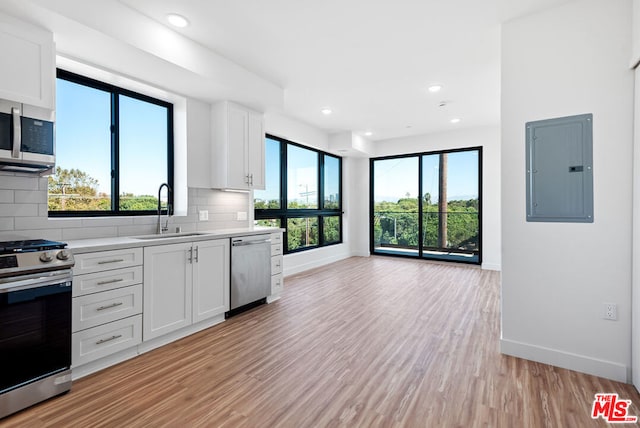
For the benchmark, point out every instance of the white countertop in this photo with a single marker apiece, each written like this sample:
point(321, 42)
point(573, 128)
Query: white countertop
point(80, 246)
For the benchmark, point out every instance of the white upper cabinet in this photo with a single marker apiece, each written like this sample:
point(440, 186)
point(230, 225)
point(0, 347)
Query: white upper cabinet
point(238, 147)
point(28, 69)
point(255, 151)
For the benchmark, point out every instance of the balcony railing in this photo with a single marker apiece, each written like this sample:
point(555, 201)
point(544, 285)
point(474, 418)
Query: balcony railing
point(396, 230)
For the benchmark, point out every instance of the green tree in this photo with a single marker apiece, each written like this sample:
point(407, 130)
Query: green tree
point(74, 190)
point(396, 223)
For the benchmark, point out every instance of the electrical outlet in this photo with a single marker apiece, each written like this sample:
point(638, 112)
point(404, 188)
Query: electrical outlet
point(610, 311)
point(203, 215)
point(242, 215)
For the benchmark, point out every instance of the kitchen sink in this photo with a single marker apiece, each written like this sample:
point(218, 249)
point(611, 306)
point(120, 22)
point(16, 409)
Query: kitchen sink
point(169, 235)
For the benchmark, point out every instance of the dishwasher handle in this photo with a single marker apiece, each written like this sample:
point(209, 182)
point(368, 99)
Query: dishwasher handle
point(241, 243)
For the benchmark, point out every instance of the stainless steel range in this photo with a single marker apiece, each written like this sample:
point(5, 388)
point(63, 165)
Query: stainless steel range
point(35, 322)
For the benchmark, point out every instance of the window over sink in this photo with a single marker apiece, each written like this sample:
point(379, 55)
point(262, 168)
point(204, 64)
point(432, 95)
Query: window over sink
point(114, 147)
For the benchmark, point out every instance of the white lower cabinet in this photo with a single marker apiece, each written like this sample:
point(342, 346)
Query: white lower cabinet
point(167, 289)
point(183, 284)
point(211, 278)
point(104, 340)
point(277, 280)
point(106, 304)
point(100, 308)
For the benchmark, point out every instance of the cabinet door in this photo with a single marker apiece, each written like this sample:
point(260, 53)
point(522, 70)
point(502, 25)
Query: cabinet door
point(237, 168)
point(255, 151)
point(28, 72)
point(210, 279)
point(167, 289)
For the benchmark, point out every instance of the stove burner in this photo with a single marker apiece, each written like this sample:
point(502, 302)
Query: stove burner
point(29, 245)
point(32, 256)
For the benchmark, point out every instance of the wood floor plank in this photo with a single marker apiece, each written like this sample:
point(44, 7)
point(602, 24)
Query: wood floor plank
point(365, 342)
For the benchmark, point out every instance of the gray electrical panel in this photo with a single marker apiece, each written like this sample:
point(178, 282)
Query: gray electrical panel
point(560, 169)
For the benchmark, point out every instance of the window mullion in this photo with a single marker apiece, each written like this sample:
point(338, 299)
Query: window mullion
point(115, 150)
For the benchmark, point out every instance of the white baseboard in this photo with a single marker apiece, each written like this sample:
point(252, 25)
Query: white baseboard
point(566, 360)
point(492, 266)
point(293, 268)
point(360, 254)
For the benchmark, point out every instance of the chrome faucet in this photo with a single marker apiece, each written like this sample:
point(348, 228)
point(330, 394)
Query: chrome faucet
point(160, 229)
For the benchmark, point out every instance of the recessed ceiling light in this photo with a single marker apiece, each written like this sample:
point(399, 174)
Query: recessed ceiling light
point(455, 120)
point(368, 133)
point(177, 20)
point(434, 88)
point(326, 111)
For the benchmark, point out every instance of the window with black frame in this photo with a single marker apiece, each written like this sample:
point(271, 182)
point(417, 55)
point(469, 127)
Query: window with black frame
point(428, 205)
point(302, 194)
point(114, 147)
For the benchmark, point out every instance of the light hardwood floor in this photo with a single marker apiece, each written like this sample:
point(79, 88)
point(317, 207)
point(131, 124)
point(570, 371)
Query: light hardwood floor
point(361, 343)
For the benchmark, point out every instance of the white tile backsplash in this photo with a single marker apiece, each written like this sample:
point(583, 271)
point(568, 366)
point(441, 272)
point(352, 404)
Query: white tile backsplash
point(30, 197)
point(23, 213)
point(6, 196)
point(11, 181)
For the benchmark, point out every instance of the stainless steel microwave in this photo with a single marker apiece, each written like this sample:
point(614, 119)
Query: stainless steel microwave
point(27, 138)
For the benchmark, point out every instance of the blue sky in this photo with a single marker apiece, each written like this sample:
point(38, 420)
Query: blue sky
point(83, 138)
point(302, 181)
point(394, 178)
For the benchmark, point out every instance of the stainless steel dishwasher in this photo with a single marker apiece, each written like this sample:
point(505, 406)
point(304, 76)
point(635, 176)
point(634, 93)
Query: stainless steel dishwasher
point(250, 270)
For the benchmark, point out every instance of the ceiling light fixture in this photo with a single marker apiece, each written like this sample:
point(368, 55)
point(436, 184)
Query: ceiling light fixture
point(326, 111)
point(368, 133)
point(177, 20)
point(455, 120)
point(434, 88)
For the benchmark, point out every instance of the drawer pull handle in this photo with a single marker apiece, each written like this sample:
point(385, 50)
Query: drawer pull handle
point(108, 339)
point(111, 281)
point(113, 305)
point(106, 262)
point(278, 264)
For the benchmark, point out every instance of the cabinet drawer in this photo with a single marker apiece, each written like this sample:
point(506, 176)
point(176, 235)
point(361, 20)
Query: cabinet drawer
point(276, 249)
point(277, 282)
point(107, 280)
point(276, 238)
point(100, 308)
point(107, 260)
point(276, 265)
point(98, 342)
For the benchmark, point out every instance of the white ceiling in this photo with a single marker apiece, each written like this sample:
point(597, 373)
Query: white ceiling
point(370, 61)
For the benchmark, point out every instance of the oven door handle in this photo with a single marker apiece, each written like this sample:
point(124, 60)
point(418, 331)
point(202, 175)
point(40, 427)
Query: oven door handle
point(36, 280)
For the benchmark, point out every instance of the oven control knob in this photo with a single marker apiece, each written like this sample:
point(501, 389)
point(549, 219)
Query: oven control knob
point(46, 257)
point(63, 255)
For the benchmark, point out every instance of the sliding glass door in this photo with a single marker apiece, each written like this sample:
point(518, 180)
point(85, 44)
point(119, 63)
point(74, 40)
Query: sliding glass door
point(396, 211)
point(428, 205)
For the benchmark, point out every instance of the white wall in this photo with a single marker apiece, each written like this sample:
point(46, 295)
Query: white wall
point(635, 316)
point(357, 209)
point(489, 139)
point(296, 131)
point(635, 59)
point(569, 60)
